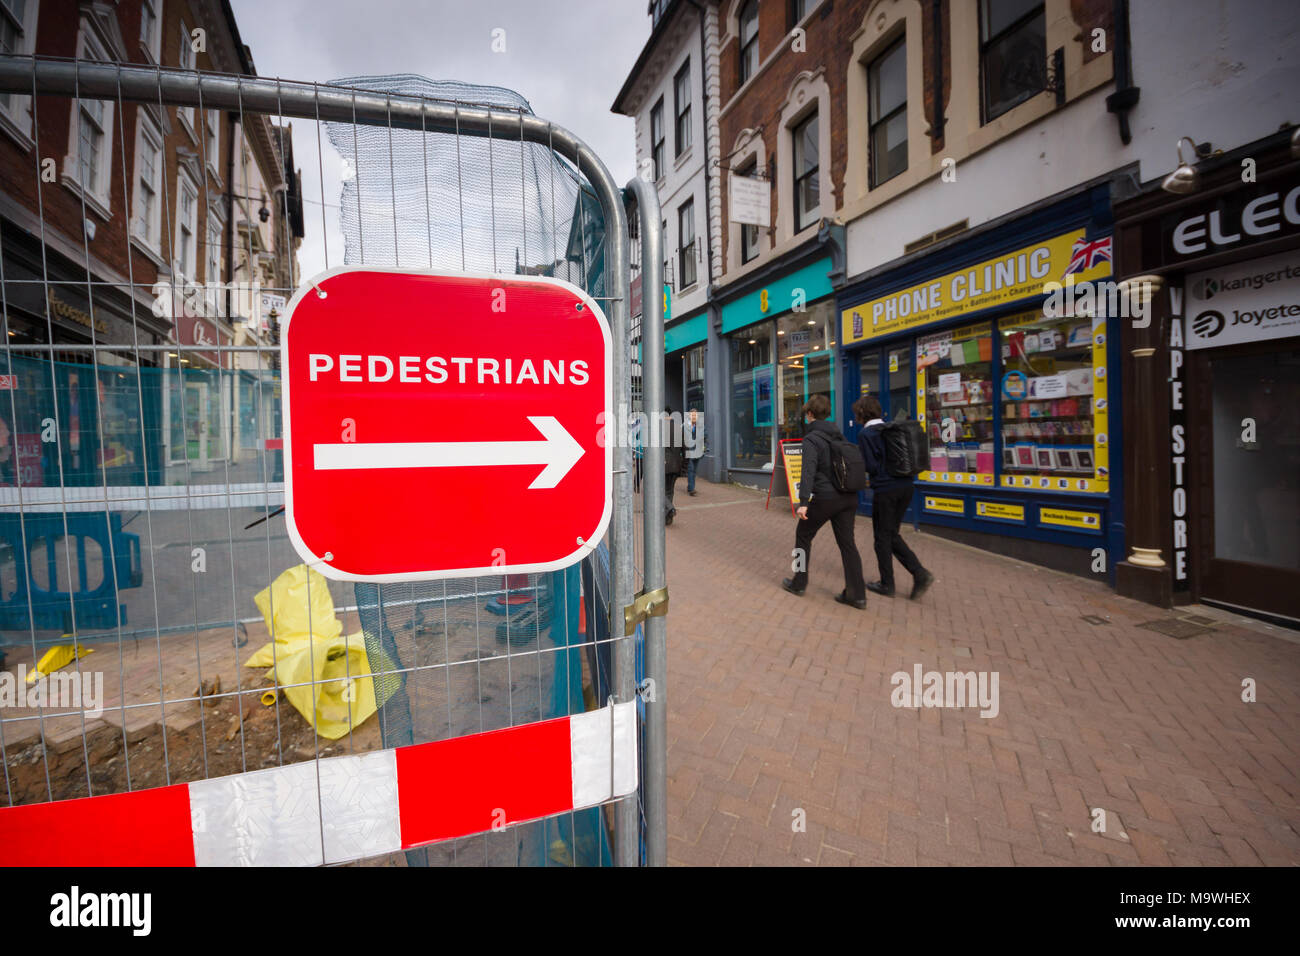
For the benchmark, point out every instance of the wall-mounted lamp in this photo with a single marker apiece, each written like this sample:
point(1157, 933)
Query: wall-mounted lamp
point(1185, 179)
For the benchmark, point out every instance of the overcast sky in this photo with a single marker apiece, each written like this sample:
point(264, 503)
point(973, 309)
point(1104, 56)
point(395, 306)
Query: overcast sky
point(568, 58)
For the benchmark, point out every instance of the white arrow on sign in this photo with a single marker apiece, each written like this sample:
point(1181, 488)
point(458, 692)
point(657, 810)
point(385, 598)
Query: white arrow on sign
point(558, 451)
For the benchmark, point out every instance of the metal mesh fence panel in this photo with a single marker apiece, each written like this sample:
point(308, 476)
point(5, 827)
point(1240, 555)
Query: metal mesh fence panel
point(142, 552)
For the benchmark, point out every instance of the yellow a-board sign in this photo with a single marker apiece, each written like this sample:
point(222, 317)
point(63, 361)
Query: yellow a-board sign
point(792, 459)
point(950, 505)
point(1083, 520)
point(1000, 509)
point(792, 456)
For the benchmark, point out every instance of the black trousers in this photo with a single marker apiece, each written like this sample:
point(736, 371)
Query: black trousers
point(670, 485)
point(840, 510)
point(886, 518)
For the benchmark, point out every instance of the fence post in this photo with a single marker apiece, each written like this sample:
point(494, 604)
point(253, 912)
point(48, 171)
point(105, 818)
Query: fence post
point(656, 650)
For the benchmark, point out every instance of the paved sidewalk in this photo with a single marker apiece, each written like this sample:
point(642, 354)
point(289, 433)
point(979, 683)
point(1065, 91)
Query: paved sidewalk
point(779, 704)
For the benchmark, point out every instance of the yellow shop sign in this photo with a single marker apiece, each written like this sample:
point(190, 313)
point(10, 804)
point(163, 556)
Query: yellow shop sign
point(1082, 520)
point(1000, 509)
point(950, 505)
point(1007, 278)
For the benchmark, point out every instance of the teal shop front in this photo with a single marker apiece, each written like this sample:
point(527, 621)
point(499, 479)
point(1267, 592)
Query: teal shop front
point(780, 339)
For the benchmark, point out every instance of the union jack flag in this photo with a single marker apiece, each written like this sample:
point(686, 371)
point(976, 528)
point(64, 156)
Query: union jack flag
point(1086, 254)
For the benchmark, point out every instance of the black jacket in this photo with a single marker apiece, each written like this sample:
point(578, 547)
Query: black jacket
point(815, 472)
point(872, 444)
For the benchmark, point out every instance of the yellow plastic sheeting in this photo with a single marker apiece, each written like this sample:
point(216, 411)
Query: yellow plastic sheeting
point(60, 655)
point(294, 617)
point(334, 691)
point(328, 681)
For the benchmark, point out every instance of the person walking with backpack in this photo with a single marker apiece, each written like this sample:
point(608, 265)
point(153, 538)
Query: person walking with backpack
point(831, 477)
point(891, 494)
point(674, 465)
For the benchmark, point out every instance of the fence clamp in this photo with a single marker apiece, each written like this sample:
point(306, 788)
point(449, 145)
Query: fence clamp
point(646, 604)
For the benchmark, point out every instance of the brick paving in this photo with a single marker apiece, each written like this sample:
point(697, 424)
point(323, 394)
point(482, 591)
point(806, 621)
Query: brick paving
point(780, 704)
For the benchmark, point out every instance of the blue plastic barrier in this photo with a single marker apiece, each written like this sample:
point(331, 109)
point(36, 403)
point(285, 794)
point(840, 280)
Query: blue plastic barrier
point(31, 606)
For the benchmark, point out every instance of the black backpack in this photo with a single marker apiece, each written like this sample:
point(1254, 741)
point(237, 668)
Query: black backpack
point(848, 470)
point(907, 449)
point(674, 460)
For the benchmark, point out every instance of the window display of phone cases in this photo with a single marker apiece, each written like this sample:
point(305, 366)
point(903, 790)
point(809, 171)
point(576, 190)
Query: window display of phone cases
point(1047, 397)
point(955, 383)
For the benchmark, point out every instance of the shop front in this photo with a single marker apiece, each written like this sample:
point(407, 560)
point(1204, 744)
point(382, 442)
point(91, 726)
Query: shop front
point(1002, 346)
point(77, 408)
point(780, 343)
point(686, 349)
point(1215, 491)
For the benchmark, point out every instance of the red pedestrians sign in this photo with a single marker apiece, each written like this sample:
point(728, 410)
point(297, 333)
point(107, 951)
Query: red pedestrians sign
point(442, 426)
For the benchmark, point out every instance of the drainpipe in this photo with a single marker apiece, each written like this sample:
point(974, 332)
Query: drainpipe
point(936, 130)
point(1126, 94)
point(230, 208)
point(708, 193)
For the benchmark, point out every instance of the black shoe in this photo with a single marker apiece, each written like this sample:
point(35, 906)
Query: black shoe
point(875, 587)
point(843, 598)
point(692, 493)
point(921, 583)
point(668, 519)
point(788, 584)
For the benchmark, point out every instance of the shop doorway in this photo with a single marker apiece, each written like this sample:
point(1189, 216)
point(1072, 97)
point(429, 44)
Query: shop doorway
point(1247, 521)
point(887, 373)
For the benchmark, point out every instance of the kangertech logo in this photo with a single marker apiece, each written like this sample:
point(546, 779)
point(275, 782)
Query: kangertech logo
point(76, 909)
point(1207, 324)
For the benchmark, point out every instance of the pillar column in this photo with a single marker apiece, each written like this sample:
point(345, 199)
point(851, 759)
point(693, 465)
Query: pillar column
point(1143, 573)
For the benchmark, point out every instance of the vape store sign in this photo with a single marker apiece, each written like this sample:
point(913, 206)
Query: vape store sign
point(1247, 302)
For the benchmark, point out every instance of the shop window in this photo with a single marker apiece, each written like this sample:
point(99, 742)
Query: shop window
point(1054, 409)
point(1256, 504)
point(196, 412)
point(748, 41)
point(887, 81)
point(807, 181)
point(798, 9)
point(804, 343)
point(695, 379)
point(955, 394)
point(682, 109)
point(753, 396)
point(1013, 53)
point(657, 137)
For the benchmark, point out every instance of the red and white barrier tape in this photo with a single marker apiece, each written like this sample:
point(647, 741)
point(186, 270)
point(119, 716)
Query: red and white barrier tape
point(340, 809)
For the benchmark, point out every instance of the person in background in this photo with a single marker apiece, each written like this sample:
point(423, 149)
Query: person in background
point(890, 498)
point(693, 438)
point(820, 501)
point(638, 453)
point(674, 465)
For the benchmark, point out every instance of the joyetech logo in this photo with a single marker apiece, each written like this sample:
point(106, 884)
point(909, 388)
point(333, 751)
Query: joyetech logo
point(1207, 324)
point(1205, 288)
